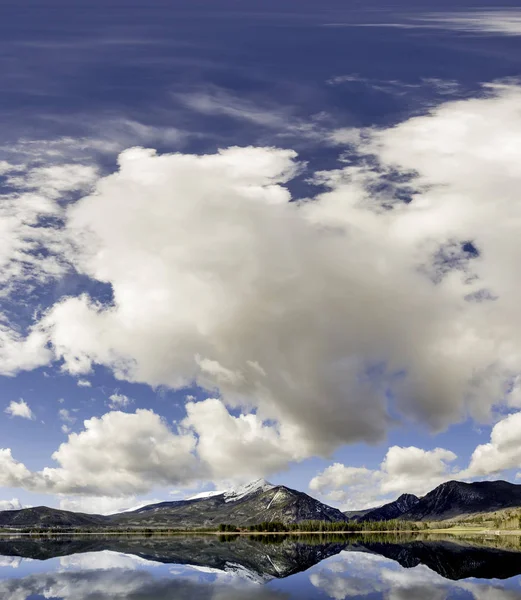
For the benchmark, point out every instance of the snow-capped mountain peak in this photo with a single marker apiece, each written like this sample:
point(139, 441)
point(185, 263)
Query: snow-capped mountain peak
point(260, 485)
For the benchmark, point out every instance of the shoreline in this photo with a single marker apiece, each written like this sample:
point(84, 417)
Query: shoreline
point(159, 533)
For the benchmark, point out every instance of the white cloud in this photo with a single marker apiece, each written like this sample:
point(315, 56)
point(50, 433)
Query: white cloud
point(242, 447)
point(103, 505)
point(121, 454)
point(33, 250)
point(19, 409)
point(307, 317)
point(338, 475)
point(218, 299)
point(84, 383)
point(403, 470)
point(13, 473)
point(117, 401)
point(54, 180)
point(216, 265)
point(13, 504)
point(116, 455)
point(18, 353)
point(415, 470)
point(502, 452)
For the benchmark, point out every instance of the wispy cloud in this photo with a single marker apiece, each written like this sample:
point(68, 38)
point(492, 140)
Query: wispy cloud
point(281, 120)
point(501, 22)
point(396, 87)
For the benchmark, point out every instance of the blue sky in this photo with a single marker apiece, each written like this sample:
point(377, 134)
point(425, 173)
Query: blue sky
point(314, 277)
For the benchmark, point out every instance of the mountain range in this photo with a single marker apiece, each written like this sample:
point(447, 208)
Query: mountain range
point(260, 501)
point(450, 500)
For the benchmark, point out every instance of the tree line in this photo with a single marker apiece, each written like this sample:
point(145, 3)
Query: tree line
point(326, 526)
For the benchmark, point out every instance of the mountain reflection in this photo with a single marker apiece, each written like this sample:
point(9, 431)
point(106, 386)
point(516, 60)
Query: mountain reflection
point(262, 559)
point(258, 568)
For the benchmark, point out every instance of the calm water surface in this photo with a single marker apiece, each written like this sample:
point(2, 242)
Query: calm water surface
point(223, 568)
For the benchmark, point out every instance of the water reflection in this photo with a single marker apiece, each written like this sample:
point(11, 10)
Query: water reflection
point(354, 575)
point(118, 583)
point(239, 568)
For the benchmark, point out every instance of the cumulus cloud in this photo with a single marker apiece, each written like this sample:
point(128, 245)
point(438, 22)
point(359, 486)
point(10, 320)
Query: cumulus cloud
point(19, 353)
point(103, 505)
point(13, 504)
point(118, 456)
point(238, 288)
point(19, 409)
point(397, 284)
point(391, 287)
point(241, 447)
point(121, 454)
point(417, 471)
point(338, 476)
point(13, 473)
point(83, 383)
point(403, 470)
point(502, 452)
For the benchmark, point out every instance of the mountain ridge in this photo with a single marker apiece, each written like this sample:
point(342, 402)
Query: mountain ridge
point(390, 510)
point(254, 503)
point(454, 499)
point(260, 501)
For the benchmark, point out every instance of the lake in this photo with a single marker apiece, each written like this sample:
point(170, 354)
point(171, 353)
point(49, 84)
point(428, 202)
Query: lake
point(260, 567)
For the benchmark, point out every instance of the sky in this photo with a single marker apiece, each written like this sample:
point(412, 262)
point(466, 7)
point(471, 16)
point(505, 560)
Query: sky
point(247, 239)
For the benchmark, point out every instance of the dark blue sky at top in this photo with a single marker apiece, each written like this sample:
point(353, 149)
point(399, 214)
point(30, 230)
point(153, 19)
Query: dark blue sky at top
point(68, 66)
